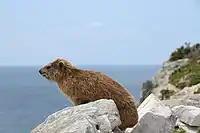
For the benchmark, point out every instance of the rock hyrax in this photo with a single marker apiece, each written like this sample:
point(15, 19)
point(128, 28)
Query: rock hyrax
point(83, 86)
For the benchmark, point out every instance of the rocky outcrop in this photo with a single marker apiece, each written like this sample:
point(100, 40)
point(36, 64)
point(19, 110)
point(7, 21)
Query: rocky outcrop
point(188, 117)
point(187, 109)
point(161, 80)
point(102, 116)
point(157, 117)
point(186, 93)
point(177, 85)
point(99, 116)
point(186, 128)
point(154, 117)
point(188, 114)
point(187, 100)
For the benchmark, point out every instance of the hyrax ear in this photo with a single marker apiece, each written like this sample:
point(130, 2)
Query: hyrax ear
point(61, 64)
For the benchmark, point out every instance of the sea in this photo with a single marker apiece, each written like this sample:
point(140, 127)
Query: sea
point(26, 98)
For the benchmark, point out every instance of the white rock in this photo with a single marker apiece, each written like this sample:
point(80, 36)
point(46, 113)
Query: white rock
point(82, 119)
point(186, 127)
point(154, 117)
point(187, 100)
point(186, 92)
point(187, 114)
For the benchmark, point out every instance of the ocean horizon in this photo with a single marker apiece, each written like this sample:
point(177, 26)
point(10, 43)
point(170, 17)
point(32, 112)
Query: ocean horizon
point(27, 98)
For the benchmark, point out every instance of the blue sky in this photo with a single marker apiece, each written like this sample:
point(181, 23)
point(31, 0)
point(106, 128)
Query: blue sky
point(34, 32)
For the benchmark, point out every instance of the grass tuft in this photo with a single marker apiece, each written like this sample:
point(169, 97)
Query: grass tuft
point(187, 75)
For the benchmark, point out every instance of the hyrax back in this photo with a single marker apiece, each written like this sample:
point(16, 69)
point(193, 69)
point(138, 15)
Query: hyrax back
point(83, 86)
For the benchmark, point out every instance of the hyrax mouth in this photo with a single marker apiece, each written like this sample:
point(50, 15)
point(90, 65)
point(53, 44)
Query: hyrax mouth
point(43, 74)
point(46, 76)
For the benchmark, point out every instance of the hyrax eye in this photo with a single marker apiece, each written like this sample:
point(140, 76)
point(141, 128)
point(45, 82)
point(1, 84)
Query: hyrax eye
point(48, 67)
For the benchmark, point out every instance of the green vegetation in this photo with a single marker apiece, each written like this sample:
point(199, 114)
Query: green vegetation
point(198, 130)
point(185, 51)
point(165, 94)
point(180, 53)
point(179, 130)
point(187, 75)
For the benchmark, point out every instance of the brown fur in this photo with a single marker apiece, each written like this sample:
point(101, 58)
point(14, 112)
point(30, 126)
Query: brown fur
point(83, 86)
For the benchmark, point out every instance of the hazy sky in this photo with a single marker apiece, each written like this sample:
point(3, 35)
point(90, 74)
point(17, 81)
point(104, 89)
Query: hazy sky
point(34, 32)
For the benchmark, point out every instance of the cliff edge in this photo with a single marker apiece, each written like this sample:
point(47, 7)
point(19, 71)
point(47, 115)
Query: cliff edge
point(178, 78)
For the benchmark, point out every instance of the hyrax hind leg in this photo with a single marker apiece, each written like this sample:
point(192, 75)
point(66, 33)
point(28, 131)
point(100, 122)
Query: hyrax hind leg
point(129, 117)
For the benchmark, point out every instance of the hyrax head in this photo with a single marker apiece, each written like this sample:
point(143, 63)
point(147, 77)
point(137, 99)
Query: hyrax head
point(55, 70)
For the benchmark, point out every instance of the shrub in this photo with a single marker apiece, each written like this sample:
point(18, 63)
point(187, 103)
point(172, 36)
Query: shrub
point(186, 51)
point(179, 130)
point(181, 52)
point(165, 94)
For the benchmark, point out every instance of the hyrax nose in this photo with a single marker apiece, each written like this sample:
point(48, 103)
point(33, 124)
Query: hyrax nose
point(40, 71)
